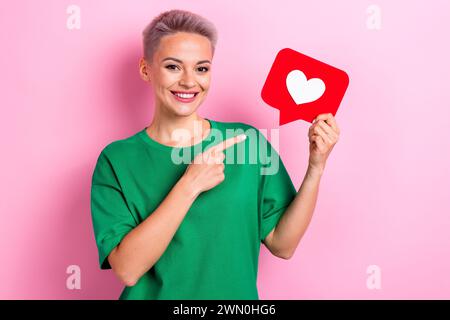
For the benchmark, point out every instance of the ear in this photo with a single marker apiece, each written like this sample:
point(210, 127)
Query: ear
point(144, 70)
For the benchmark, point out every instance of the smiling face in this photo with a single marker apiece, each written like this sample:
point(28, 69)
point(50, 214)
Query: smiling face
point(179, 73)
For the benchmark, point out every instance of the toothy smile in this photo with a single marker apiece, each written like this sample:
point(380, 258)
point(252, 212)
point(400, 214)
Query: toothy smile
point(184, 95)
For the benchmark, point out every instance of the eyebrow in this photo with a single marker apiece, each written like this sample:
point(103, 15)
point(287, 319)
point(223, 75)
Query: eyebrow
point(179, 61)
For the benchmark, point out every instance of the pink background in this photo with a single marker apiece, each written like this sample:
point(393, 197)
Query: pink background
point(384, 198)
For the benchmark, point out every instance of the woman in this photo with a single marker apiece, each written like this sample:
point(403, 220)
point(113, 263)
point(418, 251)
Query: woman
point(175, 219)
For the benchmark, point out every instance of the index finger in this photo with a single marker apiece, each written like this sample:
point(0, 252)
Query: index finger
point(228, 143)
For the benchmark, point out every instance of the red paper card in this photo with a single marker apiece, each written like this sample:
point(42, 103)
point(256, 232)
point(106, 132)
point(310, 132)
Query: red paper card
point(302, 87)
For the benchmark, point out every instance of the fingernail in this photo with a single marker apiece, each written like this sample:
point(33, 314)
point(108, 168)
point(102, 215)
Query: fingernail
point(241, 137)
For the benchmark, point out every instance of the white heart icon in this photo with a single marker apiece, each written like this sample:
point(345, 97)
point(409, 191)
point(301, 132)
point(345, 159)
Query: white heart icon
point(302, 90)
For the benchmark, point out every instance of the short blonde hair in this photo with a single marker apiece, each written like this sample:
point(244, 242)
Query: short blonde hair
point(170, 22)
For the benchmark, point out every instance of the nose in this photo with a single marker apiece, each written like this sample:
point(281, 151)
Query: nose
point(187, 80)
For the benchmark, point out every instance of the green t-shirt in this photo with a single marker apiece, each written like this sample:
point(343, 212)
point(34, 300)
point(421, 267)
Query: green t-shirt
point(214, 252)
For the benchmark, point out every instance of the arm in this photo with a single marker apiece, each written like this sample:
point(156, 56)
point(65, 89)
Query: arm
point(142, 247)
point(134, 256)
point(284, 238)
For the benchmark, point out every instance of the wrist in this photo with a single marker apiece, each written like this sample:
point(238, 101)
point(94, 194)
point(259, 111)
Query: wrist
point(315, 171)
point(188, 188)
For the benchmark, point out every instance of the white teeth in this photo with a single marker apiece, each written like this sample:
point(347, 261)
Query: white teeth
point(185, 95)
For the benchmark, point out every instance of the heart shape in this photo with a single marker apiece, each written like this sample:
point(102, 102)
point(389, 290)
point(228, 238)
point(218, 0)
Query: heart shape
point(302, 90)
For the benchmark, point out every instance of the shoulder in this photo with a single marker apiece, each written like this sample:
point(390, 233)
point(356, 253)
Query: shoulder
point(121, 148)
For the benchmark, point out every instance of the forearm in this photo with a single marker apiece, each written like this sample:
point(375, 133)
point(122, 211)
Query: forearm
point(295, 220)
point(142, 247)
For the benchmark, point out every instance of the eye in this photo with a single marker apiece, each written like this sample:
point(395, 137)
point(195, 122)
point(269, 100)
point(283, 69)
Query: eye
point(203, 69)
point(171, 67)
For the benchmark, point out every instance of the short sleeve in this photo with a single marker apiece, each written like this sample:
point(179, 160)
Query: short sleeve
point(278, 191)
point(111, 217)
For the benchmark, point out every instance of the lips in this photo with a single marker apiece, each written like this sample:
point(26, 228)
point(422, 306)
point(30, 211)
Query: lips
point(185, 96)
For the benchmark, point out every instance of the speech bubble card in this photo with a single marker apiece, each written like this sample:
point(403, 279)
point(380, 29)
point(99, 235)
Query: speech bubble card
point(302, 87)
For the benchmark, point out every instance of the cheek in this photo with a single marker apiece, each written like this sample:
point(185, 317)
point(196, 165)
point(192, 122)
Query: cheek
point(165, 80)
point(204, 82)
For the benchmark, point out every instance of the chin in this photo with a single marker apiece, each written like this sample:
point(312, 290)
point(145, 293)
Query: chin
point(184, 111)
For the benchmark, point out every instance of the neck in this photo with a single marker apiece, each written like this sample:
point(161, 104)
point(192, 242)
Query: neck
point(164, 125)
